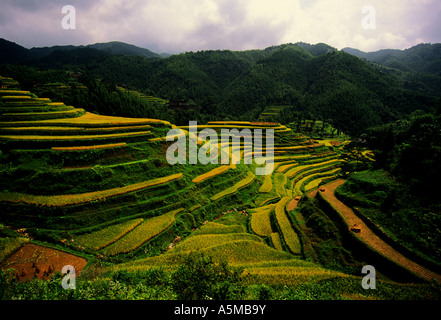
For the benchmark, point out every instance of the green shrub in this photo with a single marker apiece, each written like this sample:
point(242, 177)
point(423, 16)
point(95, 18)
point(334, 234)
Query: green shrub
point(200, 278)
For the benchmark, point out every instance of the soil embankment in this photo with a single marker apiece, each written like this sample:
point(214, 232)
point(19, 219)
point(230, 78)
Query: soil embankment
point(365, 234)
point(32, 260)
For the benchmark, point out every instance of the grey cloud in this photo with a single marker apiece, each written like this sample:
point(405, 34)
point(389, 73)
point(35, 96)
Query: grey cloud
point(233, 31)
point(224, 25)
point(40, 5)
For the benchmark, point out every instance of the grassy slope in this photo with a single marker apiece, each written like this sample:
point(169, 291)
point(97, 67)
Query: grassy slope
point(116, 222)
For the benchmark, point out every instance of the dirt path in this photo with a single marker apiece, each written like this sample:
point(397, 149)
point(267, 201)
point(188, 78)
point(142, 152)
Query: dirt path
point(369, 237)
point(293, 203)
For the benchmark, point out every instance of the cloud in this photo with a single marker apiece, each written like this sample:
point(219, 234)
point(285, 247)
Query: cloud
point(175, 25)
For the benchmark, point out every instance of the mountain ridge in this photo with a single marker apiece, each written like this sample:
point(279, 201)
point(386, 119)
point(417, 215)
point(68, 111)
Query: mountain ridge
point(314, 81)
point(12, 52)
point(423, 57)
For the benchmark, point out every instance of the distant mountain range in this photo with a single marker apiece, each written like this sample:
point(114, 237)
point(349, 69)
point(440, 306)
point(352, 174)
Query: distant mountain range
point(351, 88)
point(11, 52)
point(424, 58)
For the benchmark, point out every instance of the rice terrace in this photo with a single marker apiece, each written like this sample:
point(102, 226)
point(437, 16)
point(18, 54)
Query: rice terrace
point(96, 192)
point(295, 172)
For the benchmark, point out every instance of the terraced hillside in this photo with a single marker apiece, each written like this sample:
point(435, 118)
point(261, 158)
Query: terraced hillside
point(105, 173)
point(270, 113)
point(100, 187)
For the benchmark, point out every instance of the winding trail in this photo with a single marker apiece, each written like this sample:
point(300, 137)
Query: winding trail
point(369, 237)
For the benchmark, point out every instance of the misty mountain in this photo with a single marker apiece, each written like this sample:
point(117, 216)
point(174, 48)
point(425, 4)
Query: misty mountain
point(424, 58)
point(11, 52)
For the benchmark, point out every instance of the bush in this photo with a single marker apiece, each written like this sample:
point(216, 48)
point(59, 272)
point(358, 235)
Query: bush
point(199, 278)
point(151, 277)
point(264, 292)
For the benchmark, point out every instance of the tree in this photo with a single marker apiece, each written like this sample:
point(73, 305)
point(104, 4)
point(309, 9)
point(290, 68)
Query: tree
point(200, 278)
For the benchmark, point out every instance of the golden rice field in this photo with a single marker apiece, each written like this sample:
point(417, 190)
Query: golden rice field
point(104, 237)
point(276, 241)
point(100, 146)
point(313, 184)
point(265, 242)
point(10, 245)
point(229, 123)
point(48, 114)
point(42, 129)
point(250, 123)
point(267, 185)
point(298, 185)
point(241, 252)
point(290, 273)
point(290, 237)
point(211, 173)
point(266, 198)
point(258, 209)
point(260, 222)
point(182, 133)
point(241, 184)
point(298, 169)
point(16, 98)
point(107, 129)
point(204, 241)
point(70, 199)
point(292, 157)
point(15, 93)
point(234, 125)
point(280, 180)
point(285, 167)
point(142, 233)
point(91, 119)
point(194, 207)
point(71, 138)
point(8, 110)
point(218, 228)
point(238, 253)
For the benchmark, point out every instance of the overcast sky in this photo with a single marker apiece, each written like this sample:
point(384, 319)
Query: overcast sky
point(191, 25)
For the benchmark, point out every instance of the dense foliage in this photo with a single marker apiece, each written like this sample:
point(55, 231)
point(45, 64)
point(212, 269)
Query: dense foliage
point(400, 193)
point(213, 280)
point(411, 150)
point(318, 89)
point(316, 80)
point(424, 57)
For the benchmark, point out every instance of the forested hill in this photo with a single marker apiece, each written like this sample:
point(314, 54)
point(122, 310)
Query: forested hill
point(11, 52)
point(417, 68)
point(314, 81)
point(424, 57)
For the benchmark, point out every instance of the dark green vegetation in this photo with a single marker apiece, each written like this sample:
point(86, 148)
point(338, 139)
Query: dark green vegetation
point(316, 81)
point(91, 94)
point(424, 58)
point(417, 68)
point(402, 194)
point(101, 187)
point(13, 53)
point(204, 279)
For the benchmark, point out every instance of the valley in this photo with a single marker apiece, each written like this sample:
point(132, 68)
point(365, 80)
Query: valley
point(98, 188)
